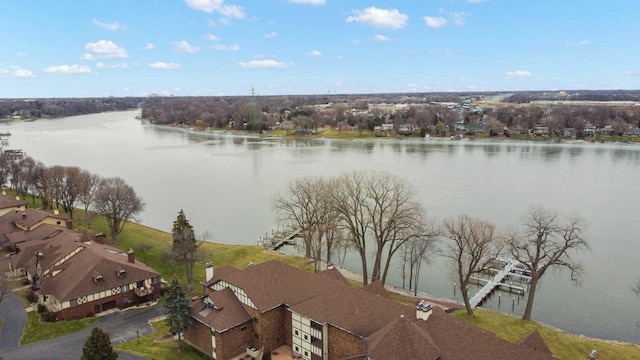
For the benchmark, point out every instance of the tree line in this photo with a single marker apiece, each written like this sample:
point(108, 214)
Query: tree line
point(68, 187)
point(374, 214)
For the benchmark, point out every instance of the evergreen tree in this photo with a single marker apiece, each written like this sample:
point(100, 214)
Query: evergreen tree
point(176, 307)
point(185, 246)
point(98, 346)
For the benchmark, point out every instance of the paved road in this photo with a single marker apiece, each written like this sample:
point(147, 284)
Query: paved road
point(13, 318)
point(121, 327)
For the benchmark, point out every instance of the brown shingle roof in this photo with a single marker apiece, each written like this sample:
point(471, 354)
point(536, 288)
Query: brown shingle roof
point(377, 288)
point(401, 339)
point(7, 201)
point(459, 341)
point(354, 310)
point(77, 276)
point(535, 342)
point(227, 313)
point(334, 274)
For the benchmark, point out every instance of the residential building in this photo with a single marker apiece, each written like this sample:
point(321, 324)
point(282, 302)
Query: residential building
point(272, 306)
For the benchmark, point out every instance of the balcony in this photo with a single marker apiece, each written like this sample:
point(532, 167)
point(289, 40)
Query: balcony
point(142, 292)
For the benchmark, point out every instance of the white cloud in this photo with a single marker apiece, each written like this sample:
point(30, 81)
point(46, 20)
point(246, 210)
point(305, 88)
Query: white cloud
point(578, 43)
point(632, 72)
point(380, 38)
point(107, 49)
point(517, 74)
point(271, 35)
point(221, 47)
point(435, 22)
point(380, 18)
point(225, 21)
point(101, 65)
point(314, 53)
point(458, 17)
point(183, 46)
point(264, 64)
point(212, 38)
point(68, 69)
point(113, 26)
point(16, 72)
point(126, 89)
point(164, 65)
point(21, 55)
point(311, 2)
point(87, 56)
point(339, 57)
point(475, 1)
point(149, 46)
point(218, 6)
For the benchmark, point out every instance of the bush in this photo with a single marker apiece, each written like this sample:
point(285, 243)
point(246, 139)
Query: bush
point(25, 282)
point(41, 308)
point(31, 297)
point(48, 317)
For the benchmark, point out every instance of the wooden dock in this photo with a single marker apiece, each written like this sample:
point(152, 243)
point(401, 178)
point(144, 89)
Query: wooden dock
point(511, 270)
point(279, 238)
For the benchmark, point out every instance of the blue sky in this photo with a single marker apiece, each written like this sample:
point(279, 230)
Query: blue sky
point(101, 48)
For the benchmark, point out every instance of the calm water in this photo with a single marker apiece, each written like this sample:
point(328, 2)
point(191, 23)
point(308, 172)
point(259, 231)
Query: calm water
point(224, 183)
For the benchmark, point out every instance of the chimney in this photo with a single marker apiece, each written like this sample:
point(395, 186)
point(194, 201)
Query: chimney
point(131, 256)
point(208, 271)
point(99, 238)
point(56, 212)
point(423, 310)
point(330, 265)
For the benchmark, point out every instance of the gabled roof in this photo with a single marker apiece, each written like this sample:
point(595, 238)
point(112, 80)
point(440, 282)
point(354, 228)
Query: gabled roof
point(43, 231)
point(274, 283)
point(334, 274)
point(459, 341)
point(52, 250)
point(535, 342)
point(76, 276)
point(29, 217)
point(7, 201)
point(220, 310)
point(377, 288)
point(401, 339)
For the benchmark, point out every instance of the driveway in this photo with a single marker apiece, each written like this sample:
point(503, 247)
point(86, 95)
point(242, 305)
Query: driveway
point(121, 327)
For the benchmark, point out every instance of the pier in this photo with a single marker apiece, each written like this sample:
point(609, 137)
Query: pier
point(279, 238)
point(511, 270)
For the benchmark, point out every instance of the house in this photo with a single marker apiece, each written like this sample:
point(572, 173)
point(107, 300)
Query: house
point(569, 132)
point(589, 130)
point(74, 274)
point(272, 306)
point(11, 203)
point(23, 220)
point(607, 131)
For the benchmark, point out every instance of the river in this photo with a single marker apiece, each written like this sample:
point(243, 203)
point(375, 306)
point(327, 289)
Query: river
point(224, 183)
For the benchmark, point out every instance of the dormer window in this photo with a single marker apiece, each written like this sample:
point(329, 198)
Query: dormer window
point(98, 279)
point(122, 273)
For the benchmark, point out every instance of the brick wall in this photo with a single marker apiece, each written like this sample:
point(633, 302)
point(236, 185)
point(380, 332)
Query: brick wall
point(343, 344)
point(89, 309)
point(272, 328)
point(198, 335)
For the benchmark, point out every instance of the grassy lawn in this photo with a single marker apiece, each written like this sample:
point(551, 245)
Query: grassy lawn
point(152, 347)
point(35, 330)
point(564, 346)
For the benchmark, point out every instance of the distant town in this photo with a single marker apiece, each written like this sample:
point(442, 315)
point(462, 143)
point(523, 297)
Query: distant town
point(590, 115)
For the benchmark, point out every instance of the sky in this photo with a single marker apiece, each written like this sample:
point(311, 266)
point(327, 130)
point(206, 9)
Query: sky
point(97, 48)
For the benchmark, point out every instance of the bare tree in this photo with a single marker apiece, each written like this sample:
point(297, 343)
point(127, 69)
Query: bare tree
point(91, 182)
point(548, 241)
point(143, 249)
point(471, 245)
point(418, 250)
point(70, 187)
point(118, 203)
point(348, 198)
point(167, 256)
point(296, 207)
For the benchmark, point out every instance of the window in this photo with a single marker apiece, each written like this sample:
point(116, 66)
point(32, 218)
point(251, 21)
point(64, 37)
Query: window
point(306, 337)
point(316, 326)
point(255, 320)
point(297, 349)
point(315, 341)
point(124, 288)
point(297, 333)
point(73, 302)
point(306, 353)
point(243, 328)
